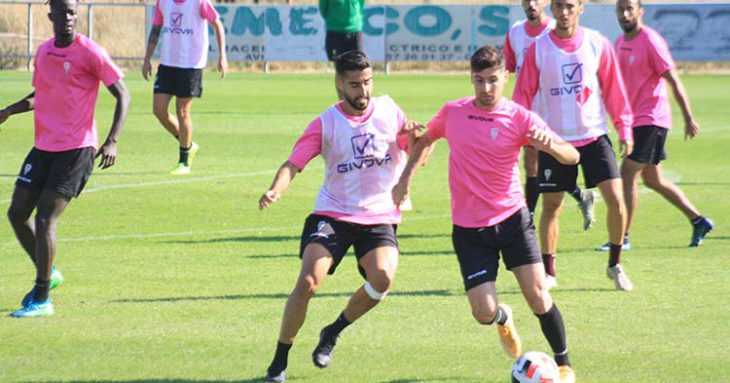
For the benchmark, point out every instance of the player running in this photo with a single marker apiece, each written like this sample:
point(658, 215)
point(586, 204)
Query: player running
point(645, 63)
point(520, 36)
point(183, 55)
point(363, 142)
point(485, 135)
point(570, 77)
point(68, 69)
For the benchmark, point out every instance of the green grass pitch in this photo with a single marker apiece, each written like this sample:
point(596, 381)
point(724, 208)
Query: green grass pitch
point(183, 280)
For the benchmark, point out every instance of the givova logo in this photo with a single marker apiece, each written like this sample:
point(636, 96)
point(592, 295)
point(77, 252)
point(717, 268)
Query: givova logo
point(365, 150)
point(571, 78)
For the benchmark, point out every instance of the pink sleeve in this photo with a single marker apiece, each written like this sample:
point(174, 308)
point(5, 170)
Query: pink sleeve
point(510, 62)
point(437, 125)
point(308, 146)
point(531, 119)
point(401, 139)
point(528, 80)
point(157, 17)
point(661, 57)
point(105, 69)
point(208, 12)
point(614, 92)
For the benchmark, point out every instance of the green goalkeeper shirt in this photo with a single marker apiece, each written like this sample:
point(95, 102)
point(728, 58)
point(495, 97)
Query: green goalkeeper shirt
point(342, 15)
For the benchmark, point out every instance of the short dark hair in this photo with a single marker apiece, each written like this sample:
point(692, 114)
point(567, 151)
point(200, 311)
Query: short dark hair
point(351, 61)
point(486, 57)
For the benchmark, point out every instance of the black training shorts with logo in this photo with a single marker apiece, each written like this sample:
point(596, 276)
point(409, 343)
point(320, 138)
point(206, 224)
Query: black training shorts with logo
point(478, 249)
point(337, 43)
point(597, 160)
point(649, 144)
point(337, 237)
point(179, 82)
point(64, 172)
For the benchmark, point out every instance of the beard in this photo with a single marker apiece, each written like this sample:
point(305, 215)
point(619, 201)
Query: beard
point(531, 16)
point(629, 27)
point(359, 103)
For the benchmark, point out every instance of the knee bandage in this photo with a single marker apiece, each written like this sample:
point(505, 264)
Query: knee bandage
point(372, 293)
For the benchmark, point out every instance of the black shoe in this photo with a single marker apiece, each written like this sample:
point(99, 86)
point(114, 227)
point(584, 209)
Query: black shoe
point(699, 230)
point(278, 378)
point(322, 354)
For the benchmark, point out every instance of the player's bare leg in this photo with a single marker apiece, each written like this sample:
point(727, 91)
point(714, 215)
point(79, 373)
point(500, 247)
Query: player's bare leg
point(21, 208)
point(487, 311)
point(160, 104)
point(316, 261)
point(529, 160)
point(612, 191)
point(531, 280)
point(380, 265)
point(552, 205)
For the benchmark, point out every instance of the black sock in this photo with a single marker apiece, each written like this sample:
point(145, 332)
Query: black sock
point(531, 193)
point(280, 359)
point(184, 153)
point(614, 256)
point(577, 194)
point(548, 260)
point(337, 326)
point(41, 290)
point(553, 328)
point(501, 317)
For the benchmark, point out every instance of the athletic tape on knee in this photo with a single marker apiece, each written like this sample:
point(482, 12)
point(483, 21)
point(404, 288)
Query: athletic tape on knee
point(372, 293)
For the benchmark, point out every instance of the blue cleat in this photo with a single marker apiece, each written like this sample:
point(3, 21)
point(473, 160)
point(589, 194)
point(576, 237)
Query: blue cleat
point(35, 309)
point(278, 378)
point(700, 229)
point(607, 246)
point(56, 280)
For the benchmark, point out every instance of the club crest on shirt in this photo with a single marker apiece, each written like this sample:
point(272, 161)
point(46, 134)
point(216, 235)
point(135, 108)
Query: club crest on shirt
point(494, 133)
point(66, 67)
point(324, 230)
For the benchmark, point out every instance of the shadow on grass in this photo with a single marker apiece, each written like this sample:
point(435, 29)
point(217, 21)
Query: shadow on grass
point(281, 238)
point(282, 296)
point(254, 380)
point(422, 293)
point(445, 379)
point(403, 254)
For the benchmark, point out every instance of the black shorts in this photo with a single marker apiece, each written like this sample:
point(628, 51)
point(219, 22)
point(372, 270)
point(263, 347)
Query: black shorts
point(336, 43)
point(338, 236)
point(649, 144)
point(179, 82)
point(64, 172)
point(477, 249)
point(597, 160)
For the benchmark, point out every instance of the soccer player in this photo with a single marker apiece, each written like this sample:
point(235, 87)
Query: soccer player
point(570, 77)
point(363, 141)
point(183, 55)
point(485, 133)
point(68, 69)
point(343, 21)
point(646, 62)
point(520, 36)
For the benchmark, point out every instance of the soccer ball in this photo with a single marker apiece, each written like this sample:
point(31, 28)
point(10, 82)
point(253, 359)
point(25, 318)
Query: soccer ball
point(535, 367)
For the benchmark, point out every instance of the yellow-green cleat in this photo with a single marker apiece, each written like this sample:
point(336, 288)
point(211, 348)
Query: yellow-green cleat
point(180, 170)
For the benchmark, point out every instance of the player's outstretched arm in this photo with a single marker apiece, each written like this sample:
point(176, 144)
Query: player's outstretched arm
point(419, 156)
point(691, 127)
point(281, 182)
point(151, 46)
point(108, 151)
point(21, 106)
point(545, 141)
point(220, 37)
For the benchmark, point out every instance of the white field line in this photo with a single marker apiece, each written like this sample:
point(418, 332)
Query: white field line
point(143, 236)
point(175, 181)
